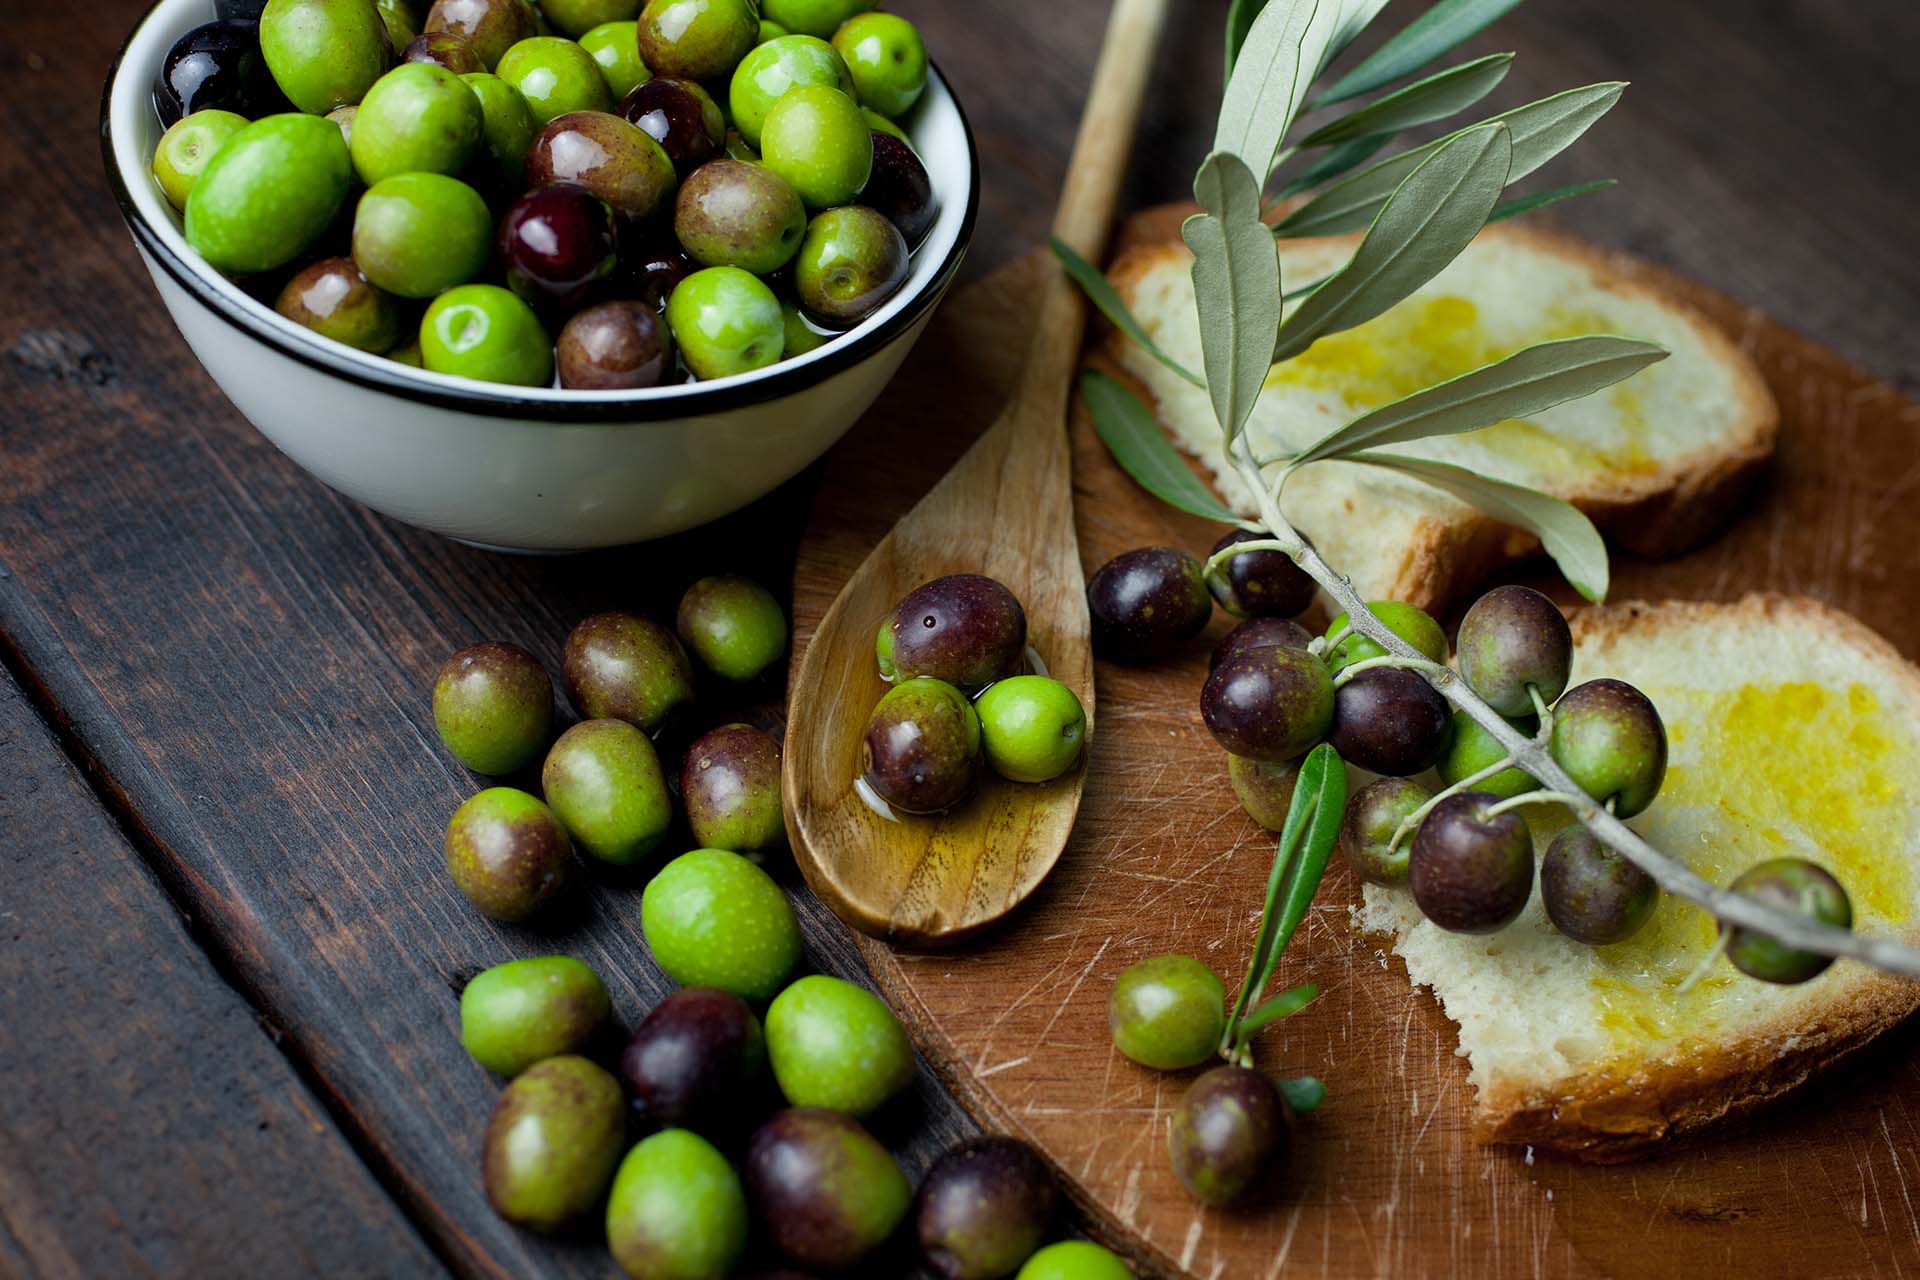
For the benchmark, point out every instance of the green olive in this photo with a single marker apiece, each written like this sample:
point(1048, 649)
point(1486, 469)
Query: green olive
point(1167, 1012)
point(525, 1011)
point(506, 131)
point(1609, 738)
point(1074, 1260)
point(677, 1211)
point(771, 69)
point(417, 234)
point(417, 118)
point(487, 333)
point(507, 853)
point(555, 76)
point(603, 781)
point(713, 919)
point(1415, 626)
point(697, 39)
point(1473, 749)
point(615, 46)
point(1032, 728)
point(835, 1045)
point(726, 321)
point(324, 53)
point(733, 625)
point(814, 17)
point(187, 147)
point(268, 193)
point(1264, 788)
point(553, 1141)
point(852, 260)
point(887, 58)
point(334, 299)
point(575, 18)
point(816, 138)
point(1793, 885)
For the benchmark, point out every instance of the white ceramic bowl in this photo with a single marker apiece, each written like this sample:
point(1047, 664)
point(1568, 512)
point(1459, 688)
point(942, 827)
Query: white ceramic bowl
point(514, 467)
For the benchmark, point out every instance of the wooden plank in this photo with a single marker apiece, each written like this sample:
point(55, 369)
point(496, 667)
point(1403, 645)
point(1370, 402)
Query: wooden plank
point(149, 1126)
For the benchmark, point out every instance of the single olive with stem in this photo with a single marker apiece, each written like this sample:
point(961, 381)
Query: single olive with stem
point(1471, 866)
point(1269, 703)
point(1371, 839)
point(1609, 738)
point(1794, 885)
point(1591, 893)
point(1512, 638)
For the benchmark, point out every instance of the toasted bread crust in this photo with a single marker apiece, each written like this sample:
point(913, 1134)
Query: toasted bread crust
point(1655, 516)
point(1628, 1115)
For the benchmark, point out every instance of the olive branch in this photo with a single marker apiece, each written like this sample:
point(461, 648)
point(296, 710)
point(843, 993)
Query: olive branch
point(1419, 209)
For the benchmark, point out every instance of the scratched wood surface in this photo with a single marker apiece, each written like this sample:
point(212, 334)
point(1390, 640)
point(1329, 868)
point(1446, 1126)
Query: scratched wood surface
point(1387, 1180)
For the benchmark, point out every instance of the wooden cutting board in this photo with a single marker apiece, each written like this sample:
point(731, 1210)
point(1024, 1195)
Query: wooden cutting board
point(1387, 1179)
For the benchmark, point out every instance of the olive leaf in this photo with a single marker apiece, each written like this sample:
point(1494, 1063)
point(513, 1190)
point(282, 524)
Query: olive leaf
point(1240, 16)
point(1135, 440)
point(1284, 1005)
point(1541, 199)
point(1430, 217)
point(1236, 286)
point(1528, 381)
point(1100, 291)
point(1279, 60)
point(1434, 33)
point(1440, 95)
point(1564, 531)
point(1307, 837)
point(1335, 162)
point(1358, 16)
point(1541, 130)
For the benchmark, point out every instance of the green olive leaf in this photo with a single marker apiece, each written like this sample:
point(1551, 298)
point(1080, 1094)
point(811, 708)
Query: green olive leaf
point(1100, 291)
point(1240, 16)
point(1438, 96)
point(1526, 382)
point(1333, 163)
point(1433, 34)
point(1236, 287)
point(1432, 215)
point(1564, 531)
point(1137, 443)
point(1284, 1005)
point(1541, 199)
point(1281, 56)
point(1541, 130)
point(1303, 1093)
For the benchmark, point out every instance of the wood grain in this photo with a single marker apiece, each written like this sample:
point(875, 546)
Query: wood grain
point(1389, 1180)
point(1006, 510)
point(139, 1085)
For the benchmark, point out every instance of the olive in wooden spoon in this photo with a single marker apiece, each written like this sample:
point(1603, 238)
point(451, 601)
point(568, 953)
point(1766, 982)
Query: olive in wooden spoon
point(1005, 511)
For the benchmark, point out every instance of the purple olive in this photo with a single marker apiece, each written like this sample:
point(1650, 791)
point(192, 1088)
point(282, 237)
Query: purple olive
point(1259, 584)
point(983, 1209)
point(508, 853)
point(490, 27)
point(965, 629)
point(1511, 638)
point(1270, 704)
point(1592, 894)
point(826, 1192)
point(621, 345)
point(679, 115)
point(558, 246)
point(217, 65)
point(922, 751)
point(697, 1061)
point(900, 190)
point(1256, 633)
point(621, 667)
point(1147, 603)
point(730, 785)
point(1389, 720)
point(1231, 1130)
point(443, 49)
point(1471, 872)
point(608, 156)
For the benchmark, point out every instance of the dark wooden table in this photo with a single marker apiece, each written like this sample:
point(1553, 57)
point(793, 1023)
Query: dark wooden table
point(228, 953)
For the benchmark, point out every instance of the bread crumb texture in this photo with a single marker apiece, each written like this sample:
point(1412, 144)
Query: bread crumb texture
point(1794, 732)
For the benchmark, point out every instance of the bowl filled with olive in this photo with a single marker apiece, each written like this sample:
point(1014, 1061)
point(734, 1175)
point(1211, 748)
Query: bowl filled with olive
point(546, 276)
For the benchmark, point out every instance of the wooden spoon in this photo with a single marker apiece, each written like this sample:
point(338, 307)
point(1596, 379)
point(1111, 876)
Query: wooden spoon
point(1005, 510)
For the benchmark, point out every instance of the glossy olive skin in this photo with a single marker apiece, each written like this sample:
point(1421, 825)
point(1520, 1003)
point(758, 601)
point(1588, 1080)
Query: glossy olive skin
point(603, 780)
point(697, 39)
point(1271, 703)
point(1513, 637)
point(332, 298)
point(921, 752)
point(1390, 721)
point(490, 27)
point(1592, 894)
point(677, 1211)
point(966, 629)
point(733, 214)
point(887, 60)
point(697, 1061)
point(1232, 1130)
point(552, 1143)
point(324, 53)
point(1257, 633)
point(487, 333)
point(1610, 738)
point(826, 1192)
point(400, 19)
point(187, 147)
point(652, 274)
point(1034, 728)
point(1470, 873)
point(525, 1011)
point(1797, 886)
point(493, 706)
point(1264, 788)
point(679, 115)
point(983, 1208)
point(268, 193)
point(834, 1044)
point(1416, 626)
point(616, 47)
point(1374, 815)
point(1473, 749)
point(607, 155)
point(816, 138)
point(899, 189)
point(732, 625)
point(1075, 1260)
point(558, 246)
point(775, 66)
point(730, 785)
point(851, 261)
point(508, 853)
point(726, 321)
point(626, 668)
point(1146, 603)
point(622, 345)
point(1167, 1012)
point(1259, 584)
point(506, 131)
point(419, 234)
point(415, 118)
point(445, 49)
point(712, 918)
point(216, 66)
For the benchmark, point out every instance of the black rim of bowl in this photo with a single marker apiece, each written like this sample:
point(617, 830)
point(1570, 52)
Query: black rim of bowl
point(497, 399)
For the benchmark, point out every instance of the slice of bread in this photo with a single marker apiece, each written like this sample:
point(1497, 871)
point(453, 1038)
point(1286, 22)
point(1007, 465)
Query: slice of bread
point(1794, 730)
point(1658, 461)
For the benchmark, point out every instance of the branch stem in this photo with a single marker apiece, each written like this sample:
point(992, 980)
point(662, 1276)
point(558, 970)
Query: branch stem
point(1671, 875)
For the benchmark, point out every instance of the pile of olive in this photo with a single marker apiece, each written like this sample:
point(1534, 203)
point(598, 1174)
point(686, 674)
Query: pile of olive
point(752, 1131)
point(603, 791)
point(683, 189)
point(963, 701)
point(1274, 691)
